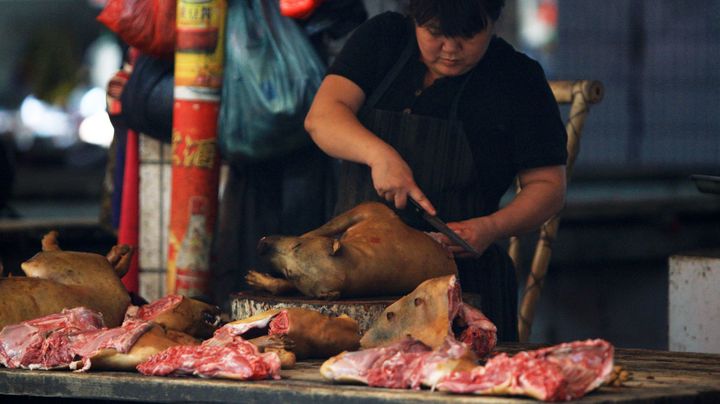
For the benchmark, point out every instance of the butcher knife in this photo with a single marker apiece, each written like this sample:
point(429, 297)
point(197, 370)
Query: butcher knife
point(440, 226)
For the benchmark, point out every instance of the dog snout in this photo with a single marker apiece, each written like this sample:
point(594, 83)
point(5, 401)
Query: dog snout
point(264, 246)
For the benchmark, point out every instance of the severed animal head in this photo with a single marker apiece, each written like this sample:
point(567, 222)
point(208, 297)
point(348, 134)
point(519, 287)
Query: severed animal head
point(425, 314)
point(431, 313)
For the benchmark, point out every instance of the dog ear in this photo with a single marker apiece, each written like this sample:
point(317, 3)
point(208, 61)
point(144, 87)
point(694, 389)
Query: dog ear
point(335, 247)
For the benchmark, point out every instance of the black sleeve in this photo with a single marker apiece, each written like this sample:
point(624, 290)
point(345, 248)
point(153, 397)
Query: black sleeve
point(371, 50)
point(539, 134)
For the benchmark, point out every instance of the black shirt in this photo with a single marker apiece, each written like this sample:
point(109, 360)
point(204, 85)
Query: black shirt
point(507, 108)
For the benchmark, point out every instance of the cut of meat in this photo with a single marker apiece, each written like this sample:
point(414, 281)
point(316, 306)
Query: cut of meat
point(45, 342)
point(558, 373)
point(236, 359)
point(309, 333)
point(480, 333)
point(179, 313)
point(405, 364)
point(150, 311)
point(316, 335)
point(119, 339)
point(77, 339)
point(257, 322)
point(356, 366)
point(562, 372)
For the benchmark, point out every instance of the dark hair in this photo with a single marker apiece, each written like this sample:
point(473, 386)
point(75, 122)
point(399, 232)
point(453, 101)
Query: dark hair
point(456, 17)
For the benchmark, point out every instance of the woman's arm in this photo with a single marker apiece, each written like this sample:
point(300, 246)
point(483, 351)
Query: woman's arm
point(334, 127)
point(542, 196)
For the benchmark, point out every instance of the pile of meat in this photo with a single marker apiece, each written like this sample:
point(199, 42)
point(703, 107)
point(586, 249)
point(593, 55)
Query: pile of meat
point(78, 339)
point(163, 338)
point(431, 338)
point(58, 340)
point(563, 372)
point(234, 358)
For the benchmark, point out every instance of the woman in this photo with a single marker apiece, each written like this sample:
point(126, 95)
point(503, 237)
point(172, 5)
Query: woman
point(435, 107)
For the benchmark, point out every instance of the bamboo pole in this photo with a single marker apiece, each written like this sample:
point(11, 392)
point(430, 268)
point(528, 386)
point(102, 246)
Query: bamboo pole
point(580, 95)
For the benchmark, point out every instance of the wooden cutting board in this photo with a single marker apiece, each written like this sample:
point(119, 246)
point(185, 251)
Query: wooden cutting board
point(363, 310)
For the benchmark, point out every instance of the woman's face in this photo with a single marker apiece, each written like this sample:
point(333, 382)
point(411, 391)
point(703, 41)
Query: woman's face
point(450, 56)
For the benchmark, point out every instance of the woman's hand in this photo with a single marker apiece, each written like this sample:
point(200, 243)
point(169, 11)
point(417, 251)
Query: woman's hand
point(478, 232)
point(393, 180)
point(334, 127)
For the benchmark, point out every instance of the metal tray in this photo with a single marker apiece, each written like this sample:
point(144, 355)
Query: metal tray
point(707, 183)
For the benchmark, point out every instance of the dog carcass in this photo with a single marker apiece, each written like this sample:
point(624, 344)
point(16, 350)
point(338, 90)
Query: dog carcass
point(366, 251)
point(57, 280)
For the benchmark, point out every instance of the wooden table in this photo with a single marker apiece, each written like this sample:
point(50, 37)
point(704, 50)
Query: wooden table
point(656, 375)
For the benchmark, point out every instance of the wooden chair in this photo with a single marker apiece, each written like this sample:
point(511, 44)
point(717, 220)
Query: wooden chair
point(579, 94)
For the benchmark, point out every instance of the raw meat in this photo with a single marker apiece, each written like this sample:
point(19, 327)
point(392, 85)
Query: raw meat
point(405, 364)
point(309, 333)
point(558, 373)
point(479, 332)
point(234, 359)
point(121, 339)
point(180, 313)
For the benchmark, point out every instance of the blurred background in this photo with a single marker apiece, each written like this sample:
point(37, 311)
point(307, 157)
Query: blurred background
point(631, 204)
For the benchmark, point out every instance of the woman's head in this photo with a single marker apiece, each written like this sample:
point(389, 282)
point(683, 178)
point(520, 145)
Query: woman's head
point(456, 18)
point(453, 35)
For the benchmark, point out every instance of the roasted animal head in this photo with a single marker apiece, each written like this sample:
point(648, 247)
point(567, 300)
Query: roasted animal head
point(311, 262)
point(432, 313)
point(425, 314)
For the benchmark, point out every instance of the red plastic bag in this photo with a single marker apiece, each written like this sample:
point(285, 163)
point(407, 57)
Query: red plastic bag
point(148, 25)
point(298, 9)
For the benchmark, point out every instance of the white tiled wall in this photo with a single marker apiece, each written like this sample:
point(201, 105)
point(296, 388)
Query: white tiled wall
point(155, 183)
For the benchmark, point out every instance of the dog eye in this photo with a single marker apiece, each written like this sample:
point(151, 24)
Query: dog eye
point(390, 316)
point(418, 301)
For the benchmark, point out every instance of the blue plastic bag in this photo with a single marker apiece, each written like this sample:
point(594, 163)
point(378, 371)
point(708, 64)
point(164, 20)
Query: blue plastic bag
point(272, 73)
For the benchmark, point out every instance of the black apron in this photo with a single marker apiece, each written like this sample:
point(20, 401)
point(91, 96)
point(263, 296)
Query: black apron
point(438, 152)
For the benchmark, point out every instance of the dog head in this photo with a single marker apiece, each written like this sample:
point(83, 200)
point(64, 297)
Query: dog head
point(313, 263)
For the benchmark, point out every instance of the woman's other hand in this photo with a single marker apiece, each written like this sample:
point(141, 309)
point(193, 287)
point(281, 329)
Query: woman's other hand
point(478, 232)
point(542, 196)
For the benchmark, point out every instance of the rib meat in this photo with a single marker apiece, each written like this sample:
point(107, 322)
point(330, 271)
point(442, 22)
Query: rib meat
point(562, 372)
point(234, 359)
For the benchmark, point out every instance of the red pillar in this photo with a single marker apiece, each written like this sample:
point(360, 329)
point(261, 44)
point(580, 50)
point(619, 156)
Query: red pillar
point(195, 157)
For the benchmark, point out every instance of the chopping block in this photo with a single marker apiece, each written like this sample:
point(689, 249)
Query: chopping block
point(364, 310)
